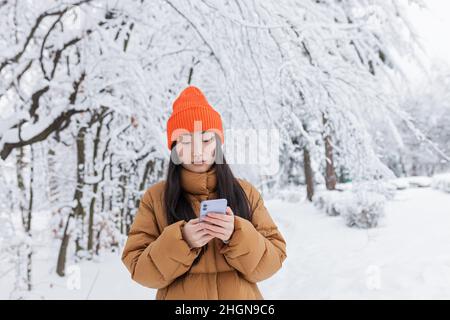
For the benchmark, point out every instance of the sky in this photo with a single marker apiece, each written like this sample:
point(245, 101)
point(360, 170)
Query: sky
point(433, 26)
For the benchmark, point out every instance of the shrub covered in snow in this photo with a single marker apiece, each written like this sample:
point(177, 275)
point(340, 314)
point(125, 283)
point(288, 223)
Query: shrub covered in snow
point(419, 181)
point(365, 211)
point(375, 187)
point(331, 201)
point(409, 182)
point(362, 206)
point(397, 184)
point(289, 194)
point(441, 182)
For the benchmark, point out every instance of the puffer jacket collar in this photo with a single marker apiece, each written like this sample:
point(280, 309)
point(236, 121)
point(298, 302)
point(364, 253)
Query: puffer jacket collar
point(195, 183)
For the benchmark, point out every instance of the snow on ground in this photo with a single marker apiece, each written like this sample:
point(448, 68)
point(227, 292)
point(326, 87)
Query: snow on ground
point(441, 182)
point(407, 256)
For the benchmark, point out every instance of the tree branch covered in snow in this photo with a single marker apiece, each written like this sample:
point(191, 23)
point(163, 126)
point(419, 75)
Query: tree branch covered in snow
point(86, 87)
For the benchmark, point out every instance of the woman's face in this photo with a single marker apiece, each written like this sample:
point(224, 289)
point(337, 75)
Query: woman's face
point(197, 150)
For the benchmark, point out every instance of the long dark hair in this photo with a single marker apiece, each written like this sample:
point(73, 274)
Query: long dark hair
point(177, 204)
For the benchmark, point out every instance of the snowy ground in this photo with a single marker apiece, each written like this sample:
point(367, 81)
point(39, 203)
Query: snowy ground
point(407, 256)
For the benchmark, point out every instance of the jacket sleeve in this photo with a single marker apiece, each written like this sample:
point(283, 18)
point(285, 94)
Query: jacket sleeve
point(156, 259)
point(256, 249)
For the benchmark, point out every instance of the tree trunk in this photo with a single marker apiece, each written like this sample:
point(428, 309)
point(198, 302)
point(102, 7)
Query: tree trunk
point(78, 211)
point(62, 254)
point(26, 212)
point(94, 187)
point(330, 174)
point(123, 201)
point(309, 175)
point(28, 220)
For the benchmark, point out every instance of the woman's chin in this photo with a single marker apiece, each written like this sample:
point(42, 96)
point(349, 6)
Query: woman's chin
point(198, 167)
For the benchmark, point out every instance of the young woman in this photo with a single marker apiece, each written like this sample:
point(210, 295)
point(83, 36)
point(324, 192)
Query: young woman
point(220, 257)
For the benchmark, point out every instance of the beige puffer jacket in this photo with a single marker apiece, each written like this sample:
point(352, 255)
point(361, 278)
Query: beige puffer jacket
point(157, 256)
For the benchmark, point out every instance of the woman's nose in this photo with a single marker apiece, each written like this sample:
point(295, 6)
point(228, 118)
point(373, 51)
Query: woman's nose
point(198, 149)
point(197, 154)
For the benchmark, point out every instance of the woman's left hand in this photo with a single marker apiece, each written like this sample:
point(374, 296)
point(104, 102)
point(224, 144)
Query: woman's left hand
point(219, 225)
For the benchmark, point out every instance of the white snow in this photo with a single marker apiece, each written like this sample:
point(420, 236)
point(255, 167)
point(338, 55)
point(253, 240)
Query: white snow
point(406, 256)
point(441, 182)
point(406, 182)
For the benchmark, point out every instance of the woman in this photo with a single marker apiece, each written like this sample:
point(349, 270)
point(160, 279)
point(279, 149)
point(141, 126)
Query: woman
point(220, 257)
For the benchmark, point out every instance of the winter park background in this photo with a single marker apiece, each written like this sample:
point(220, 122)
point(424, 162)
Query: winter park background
point(349, 100)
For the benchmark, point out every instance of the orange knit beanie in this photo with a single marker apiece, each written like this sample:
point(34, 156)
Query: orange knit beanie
point(192, 112)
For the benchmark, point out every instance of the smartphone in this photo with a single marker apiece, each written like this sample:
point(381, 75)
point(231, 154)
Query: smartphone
point(216, 205)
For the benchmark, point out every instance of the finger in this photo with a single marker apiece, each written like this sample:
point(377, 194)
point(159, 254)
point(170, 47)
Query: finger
point(215, 229)
point(205, 239)
point(218, 222)
point(229, 211)
point(197, 227)
point(200, 233)
point(206, 235)
point(217, 235)
point(194, 221)
point(219, 216)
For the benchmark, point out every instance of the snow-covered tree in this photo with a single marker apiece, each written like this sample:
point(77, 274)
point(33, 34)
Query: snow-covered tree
point(91, 83)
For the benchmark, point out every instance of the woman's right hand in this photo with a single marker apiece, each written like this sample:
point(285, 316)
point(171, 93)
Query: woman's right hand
point(194, 234)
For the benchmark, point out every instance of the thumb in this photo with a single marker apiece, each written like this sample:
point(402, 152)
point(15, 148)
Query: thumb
point(194, 221)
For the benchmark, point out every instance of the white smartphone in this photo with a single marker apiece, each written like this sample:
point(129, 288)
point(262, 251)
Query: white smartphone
point(216, 205)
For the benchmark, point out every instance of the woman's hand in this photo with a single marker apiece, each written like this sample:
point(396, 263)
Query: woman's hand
point(219, 225)
point(194, 234)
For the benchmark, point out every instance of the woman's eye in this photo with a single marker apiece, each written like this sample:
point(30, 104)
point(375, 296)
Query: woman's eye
point(185, 140)
point(207, 138)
